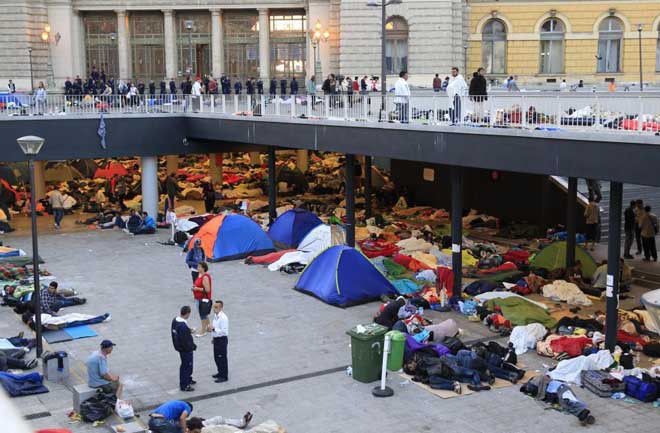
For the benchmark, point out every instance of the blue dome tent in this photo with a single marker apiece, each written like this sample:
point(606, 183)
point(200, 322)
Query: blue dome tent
point(292, 226)
point(232, 237)
point(344, 277)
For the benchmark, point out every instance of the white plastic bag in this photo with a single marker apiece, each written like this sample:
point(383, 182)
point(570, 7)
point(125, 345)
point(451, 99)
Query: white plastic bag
point(124, 409)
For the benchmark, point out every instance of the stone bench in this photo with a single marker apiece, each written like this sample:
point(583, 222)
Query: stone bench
point(81, 393)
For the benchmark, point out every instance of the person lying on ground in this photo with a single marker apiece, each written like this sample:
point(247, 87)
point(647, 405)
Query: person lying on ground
point(14, 359)
point(20, 341)
point(195, 424)
point(50, 322)
point(98, 375)
point(389, 314)
point(51, 302)
point(555, 392)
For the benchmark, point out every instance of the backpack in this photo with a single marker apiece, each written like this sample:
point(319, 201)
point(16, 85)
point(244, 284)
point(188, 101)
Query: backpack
point(98, 407)
point(639, 389)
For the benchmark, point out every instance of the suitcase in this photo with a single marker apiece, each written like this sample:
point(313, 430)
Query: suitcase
point(593, 381)
point(636, 388)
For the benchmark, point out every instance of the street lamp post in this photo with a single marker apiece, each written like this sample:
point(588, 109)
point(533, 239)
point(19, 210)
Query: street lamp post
point(31, 145)
point(641, 73)
point(189, 27)
point(31, 77)
point(383, 24)
point(317, 36)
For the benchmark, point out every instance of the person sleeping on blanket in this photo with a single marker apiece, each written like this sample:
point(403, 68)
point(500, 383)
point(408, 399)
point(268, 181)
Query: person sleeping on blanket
point(50, 322)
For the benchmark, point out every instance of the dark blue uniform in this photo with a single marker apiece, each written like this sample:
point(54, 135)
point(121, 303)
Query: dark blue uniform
point(183, 343)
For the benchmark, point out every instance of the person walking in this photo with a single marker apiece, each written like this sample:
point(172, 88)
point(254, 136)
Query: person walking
point(402, 97)
point(639, 209)
point(202, 291)
point(592, 217)
point(629, 229)
point(57, 204)
point(478, 92)
point(456, 89)
point(194, 257)
point(183, 343)
point(172, 188)
point(220, 333)
point(311, 89)
point(649, 226)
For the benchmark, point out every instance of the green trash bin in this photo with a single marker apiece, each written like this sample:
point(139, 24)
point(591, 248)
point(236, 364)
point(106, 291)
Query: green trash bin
point(395, 359)
point(367, 351)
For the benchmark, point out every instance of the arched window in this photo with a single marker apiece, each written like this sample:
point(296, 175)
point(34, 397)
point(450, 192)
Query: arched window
point(396, 45)
point(610, 42)
point(494, 47)
point(552, 46)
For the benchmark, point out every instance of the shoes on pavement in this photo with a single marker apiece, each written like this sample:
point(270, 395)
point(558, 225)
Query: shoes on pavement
point(188, 389)
point(221, 379)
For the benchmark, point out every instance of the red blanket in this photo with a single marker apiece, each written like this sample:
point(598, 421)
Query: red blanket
point(266, 259)
point(504, 267)
point(371, 248)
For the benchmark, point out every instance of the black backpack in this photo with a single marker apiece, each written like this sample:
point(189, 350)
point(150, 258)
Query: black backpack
point(98, 407)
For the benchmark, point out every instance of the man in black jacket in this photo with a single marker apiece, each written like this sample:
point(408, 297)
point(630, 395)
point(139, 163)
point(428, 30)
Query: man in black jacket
point(478, 93)
point(183, 343)
point(629, 229)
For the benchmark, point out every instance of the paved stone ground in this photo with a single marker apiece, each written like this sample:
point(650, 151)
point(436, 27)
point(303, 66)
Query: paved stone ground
point(275, 333)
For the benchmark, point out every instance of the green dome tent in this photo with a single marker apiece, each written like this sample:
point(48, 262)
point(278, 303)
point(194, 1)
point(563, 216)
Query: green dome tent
point(554, 256)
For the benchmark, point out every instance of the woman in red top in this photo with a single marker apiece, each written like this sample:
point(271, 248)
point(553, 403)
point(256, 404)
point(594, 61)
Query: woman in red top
point(202, 294)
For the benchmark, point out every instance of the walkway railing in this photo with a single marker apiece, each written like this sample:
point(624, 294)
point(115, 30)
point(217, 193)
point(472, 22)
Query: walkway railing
point(575, 112)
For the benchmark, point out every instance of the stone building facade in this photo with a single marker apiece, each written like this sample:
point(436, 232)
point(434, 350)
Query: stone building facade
point(552, 40)
point(51, 40)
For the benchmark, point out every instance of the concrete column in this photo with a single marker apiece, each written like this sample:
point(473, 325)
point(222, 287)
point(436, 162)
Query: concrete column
point(272, 187)
point(367, 185)
point(149, 172)
point(264, 45)
point(571, 221)
point(613, 268)
point(255, 158)
point(39, 179)
point(217, 43)
point(78, 43)
point(349, 190)
point(122, 45)
point(60, 17)
point(170, 44)
point(302, 159)
point(457, 228)
point(215, 167)
point(171, 163)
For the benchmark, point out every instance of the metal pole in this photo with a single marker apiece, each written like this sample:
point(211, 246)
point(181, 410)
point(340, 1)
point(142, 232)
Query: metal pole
point(383, 80)
point(31, 77)
point(613, 253)
point(457, 229)
point(349, 190)
point(272, 187)
point(571, 202)
point(367, 186)
point(35, 259)
point(641, 77)
point(190, 50)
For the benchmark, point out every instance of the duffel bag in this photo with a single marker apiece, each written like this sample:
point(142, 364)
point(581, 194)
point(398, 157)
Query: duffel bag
point(637, 388)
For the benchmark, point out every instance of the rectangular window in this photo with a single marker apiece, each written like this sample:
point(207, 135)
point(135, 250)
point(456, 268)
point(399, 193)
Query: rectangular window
point(552, 57)
point(241, 39)
point(609, 55)
point(148, 46)
point(101, 44)
point(193, 45)
point(494, 56)
point(288, 42)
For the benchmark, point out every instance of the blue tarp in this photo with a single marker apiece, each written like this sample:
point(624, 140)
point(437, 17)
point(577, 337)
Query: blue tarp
point(343, 276)
point(17, 99)
point(18, 385)
point(290, 228)
point(238, 237)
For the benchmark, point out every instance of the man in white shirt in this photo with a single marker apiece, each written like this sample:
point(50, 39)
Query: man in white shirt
point(402, 100)
point(456, 89)
point(220, 334)
point(57, 204)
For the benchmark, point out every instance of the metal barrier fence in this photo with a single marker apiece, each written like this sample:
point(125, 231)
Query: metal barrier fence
point(576, 112)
